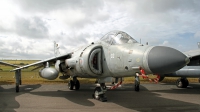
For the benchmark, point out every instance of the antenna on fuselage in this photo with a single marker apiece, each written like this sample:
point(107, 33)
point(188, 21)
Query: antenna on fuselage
point(198, 43)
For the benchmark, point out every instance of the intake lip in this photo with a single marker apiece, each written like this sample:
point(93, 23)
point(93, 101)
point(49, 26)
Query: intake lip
point(165, 60)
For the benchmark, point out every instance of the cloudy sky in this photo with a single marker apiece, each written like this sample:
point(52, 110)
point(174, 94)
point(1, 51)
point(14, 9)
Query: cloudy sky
point(28, 28)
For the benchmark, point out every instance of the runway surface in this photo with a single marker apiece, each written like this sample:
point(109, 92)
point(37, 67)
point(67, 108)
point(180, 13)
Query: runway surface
point(57, 98)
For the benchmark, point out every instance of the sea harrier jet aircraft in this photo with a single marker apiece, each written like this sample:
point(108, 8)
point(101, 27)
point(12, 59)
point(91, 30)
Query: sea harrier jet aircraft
point(116, 55)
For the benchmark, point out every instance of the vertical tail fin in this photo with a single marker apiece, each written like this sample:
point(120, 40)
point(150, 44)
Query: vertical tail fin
point(198, 43)
point(56, 49)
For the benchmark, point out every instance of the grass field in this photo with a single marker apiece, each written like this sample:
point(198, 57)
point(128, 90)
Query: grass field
point(32, 77)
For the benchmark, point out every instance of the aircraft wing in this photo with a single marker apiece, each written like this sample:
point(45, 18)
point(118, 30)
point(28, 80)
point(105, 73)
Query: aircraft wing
point(62, 57)
point(193, 53)
point(8, 64)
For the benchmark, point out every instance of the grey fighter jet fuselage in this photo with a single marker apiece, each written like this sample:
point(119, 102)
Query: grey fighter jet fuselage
point(116, 55)
point(119, 55)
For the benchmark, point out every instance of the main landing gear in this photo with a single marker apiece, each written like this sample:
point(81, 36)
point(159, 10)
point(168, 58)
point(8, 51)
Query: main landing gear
point(137, 82)
point(182, 82)
point(100, 90)
point(74, 84)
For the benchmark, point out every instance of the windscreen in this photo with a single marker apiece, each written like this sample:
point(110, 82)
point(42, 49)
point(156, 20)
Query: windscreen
point(117, 37)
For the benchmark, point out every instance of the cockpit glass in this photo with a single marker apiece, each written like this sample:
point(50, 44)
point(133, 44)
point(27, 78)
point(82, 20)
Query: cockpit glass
point(117, 37)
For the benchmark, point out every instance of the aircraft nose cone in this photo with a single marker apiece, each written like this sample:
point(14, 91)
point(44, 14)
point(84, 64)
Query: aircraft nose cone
point(166, 60)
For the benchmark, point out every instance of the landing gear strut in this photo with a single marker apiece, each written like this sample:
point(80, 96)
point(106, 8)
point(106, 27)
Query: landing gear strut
point(99, 93)
point(74, 84)
point(182, 82)
point(17, 80)
point(137, 82)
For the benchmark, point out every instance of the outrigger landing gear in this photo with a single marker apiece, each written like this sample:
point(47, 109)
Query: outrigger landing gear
point(17, 79)
point(99, 93)
point(137, 82)
point(74, 84)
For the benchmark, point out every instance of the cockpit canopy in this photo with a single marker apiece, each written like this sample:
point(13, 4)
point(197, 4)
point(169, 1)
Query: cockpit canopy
point(117, 37)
